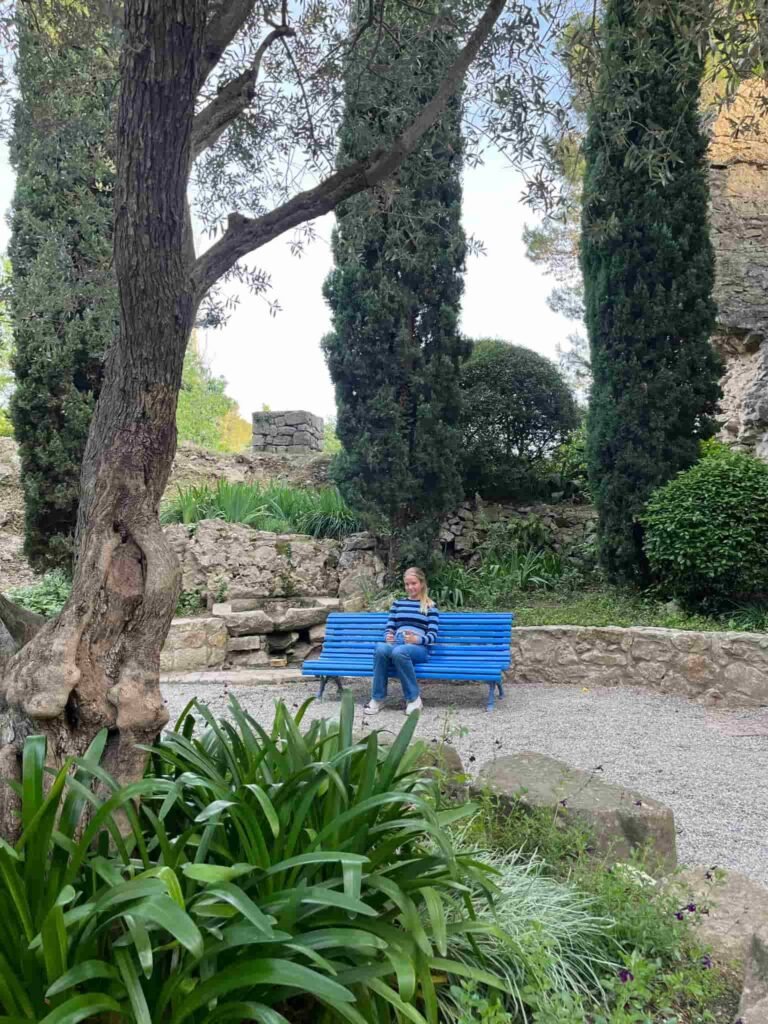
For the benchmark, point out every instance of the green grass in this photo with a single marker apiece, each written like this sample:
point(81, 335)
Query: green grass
point(603, 608)
point(610, 607)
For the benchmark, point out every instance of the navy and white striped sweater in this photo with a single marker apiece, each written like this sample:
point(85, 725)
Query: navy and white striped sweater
point(406, 614)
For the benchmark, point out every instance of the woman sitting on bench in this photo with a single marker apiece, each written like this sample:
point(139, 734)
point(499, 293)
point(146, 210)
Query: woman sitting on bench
point(411, 630)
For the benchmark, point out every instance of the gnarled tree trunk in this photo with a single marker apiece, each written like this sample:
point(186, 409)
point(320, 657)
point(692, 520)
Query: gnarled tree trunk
point(97, 663)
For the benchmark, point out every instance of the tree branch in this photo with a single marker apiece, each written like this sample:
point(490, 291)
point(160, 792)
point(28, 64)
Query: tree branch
point(244, 234)
point(20, 623)
point(221, 30)
point(232, 99)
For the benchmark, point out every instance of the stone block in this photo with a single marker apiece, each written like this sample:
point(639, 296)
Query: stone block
point(317, 633)
point(620, 820)
point(245, 643)
point(301, 618)
point(278, 662)
point(198, 642)
point(247, 623)
point(248, 659)
point(245, 604)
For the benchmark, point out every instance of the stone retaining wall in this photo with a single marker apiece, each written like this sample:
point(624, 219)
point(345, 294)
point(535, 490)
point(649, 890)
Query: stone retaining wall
point(287, 432)
point(568, 525)
point(732, 667)
point(221, 559)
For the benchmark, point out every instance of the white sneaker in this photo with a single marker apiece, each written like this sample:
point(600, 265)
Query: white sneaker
point(414, 705)
point(373, 707)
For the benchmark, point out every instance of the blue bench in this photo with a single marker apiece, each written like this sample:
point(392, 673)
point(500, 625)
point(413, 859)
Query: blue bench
point(470, 645)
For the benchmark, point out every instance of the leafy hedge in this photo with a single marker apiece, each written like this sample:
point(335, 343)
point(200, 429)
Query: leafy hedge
point(706, 531)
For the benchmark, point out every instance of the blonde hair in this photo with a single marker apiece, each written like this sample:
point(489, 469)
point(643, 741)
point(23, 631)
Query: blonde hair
point(426, 601)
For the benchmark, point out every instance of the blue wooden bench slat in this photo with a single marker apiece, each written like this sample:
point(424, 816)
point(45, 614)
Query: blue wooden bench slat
point(470, 646)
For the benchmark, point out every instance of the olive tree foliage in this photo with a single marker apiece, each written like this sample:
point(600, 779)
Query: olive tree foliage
point(234, 106)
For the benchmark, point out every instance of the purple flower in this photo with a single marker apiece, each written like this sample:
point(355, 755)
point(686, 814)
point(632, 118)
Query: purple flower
point(625, 976)
point(679, 915)
point(638, 803)
point(706, 961)
point(691, 908)
point(563, 803)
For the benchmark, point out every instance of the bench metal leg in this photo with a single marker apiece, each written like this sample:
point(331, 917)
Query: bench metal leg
point(324, 682)
point(501, 691)
point(491, 696)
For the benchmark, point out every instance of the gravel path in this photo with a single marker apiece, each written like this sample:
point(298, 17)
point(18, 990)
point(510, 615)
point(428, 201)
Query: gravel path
point(709, 766)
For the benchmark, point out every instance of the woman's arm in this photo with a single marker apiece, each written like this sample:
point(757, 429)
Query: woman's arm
point(433, 624)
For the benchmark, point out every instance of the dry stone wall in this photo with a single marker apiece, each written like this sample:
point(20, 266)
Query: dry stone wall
point(727, 667)
point(286, 432)
point(232, 560)
point(568, 525)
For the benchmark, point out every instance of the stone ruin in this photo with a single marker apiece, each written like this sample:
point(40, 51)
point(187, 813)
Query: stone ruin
point(287, 433)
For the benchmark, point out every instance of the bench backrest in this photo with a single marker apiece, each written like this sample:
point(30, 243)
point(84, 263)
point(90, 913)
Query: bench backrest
point(474, 638)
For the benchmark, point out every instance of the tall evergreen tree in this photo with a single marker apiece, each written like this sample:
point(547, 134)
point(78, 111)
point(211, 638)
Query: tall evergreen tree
point(648, 274)
point(395, 351)
point(63, 296)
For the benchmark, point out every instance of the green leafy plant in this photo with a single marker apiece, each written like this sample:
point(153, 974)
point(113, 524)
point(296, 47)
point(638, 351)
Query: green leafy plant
point(706, 531)
point(190, 601)
point(47, 597)
point(283, 876)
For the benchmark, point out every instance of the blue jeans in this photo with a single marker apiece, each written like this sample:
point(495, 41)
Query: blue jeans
point(401, 657)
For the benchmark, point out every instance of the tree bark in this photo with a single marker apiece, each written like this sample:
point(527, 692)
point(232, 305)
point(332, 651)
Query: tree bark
point(97, 664)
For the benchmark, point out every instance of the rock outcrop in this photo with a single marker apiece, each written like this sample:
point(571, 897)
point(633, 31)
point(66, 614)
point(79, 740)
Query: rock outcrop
point(738, 157)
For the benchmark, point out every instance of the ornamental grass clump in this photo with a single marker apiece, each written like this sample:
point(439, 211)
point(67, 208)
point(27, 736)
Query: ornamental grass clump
point(275, 507)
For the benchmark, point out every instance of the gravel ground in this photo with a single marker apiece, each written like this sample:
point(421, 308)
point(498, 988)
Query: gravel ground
point(709, 766)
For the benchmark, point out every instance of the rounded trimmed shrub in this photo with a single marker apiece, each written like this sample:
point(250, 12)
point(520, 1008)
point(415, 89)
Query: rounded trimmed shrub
point(517, 410)
point(706, 531)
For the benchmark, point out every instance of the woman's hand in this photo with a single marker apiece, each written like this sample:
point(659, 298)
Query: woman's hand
point(411, 638)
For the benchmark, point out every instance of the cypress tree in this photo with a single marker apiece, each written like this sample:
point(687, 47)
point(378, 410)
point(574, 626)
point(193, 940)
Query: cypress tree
point(63, 297)
point(648, 274)
point(395, 351)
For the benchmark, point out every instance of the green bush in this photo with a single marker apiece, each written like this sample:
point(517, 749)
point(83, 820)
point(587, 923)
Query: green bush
point(47, 597)
point(706, 531)
point(517, 411)
point(276, 507)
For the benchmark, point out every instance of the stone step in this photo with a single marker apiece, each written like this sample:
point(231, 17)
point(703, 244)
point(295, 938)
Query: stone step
point(237, 677)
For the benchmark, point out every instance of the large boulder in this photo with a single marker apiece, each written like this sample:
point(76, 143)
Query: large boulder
point(620, 820)
point(736, 907)
point(214, 554)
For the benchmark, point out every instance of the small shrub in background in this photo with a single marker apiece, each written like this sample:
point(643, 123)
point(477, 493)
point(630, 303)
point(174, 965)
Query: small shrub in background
point(190, 601)
point(706, 531)
point(517, 411)
point(47, 597)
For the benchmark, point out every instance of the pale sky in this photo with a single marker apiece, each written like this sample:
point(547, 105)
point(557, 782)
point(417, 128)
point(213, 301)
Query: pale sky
point(277, 360)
